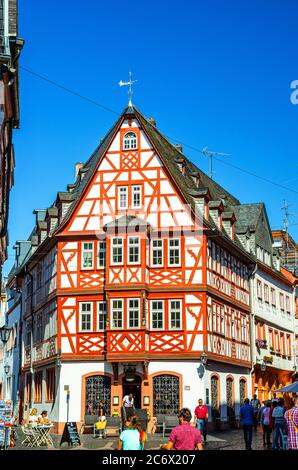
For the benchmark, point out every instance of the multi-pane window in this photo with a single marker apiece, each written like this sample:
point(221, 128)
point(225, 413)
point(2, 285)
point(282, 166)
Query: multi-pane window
point(157, 252)
point(136, 197)
point(157, 314)
point(122, 197)
point(117, 250)
point(174, 252)
point(38, 386)
point(87, 255)
point(243, 328)
point(101, 254)
point(288, 305)
point(281, 301)
point(85, 316)
point(117, 313)
point(130, 141)
point(273, 296)
point(266, 293)
point(133, 250)
point(101, 315)
point(259, 290)
point(175, 314)
point(134, 313)
point(50, 384)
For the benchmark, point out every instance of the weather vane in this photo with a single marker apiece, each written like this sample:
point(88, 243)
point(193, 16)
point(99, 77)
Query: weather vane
point(129, 84)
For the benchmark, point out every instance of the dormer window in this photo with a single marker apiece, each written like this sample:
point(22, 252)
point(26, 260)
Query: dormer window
point(130, 141)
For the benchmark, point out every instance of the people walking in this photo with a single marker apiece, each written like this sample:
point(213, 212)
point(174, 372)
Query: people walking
point(278, 416)
point(201, 418)
point(247, 416)
point(260, 420)
point(291, 417)
point(184, 436)
point(255, 403)
point(267, 425)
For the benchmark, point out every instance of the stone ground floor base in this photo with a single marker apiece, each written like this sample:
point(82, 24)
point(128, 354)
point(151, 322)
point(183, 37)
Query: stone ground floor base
point(225, 440)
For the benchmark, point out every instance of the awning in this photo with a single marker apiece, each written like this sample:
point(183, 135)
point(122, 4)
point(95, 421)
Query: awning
point(289, 388)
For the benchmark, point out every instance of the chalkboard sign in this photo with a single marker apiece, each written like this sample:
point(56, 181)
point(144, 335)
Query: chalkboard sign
point(71, 434)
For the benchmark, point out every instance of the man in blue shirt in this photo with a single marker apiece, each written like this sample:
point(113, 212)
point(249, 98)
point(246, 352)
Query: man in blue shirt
point(247, 418)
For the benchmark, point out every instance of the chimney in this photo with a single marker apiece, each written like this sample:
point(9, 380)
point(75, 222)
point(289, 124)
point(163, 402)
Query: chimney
point(152, 121)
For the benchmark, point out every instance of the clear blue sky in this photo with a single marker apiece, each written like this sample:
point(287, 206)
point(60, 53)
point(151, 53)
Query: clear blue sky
point(213, 73)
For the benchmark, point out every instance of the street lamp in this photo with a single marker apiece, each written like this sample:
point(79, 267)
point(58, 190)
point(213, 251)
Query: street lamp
point(263, 366)
point(4, 335)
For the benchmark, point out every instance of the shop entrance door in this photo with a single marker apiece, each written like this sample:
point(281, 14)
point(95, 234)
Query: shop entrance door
point(135, 388)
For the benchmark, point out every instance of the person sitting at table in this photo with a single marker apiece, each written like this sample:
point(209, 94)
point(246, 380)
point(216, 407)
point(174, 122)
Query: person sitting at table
point(43, 418)
point(33, 419)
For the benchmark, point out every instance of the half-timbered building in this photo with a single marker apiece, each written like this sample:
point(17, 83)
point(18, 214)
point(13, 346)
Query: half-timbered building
point(273, 305)
point(135, 277)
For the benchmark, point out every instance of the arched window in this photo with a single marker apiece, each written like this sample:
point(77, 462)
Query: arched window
point(130, 141)
point(215, 396)
point(242, 390)
point(98, 387)
point(230, 396)
point(166, 394)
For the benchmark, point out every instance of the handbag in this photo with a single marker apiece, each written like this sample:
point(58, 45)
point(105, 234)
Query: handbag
point(100, 425)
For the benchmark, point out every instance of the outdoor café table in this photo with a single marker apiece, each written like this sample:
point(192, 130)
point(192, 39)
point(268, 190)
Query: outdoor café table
point(44, 431)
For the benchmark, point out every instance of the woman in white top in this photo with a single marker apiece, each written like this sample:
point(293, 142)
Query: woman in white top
point(33, 419)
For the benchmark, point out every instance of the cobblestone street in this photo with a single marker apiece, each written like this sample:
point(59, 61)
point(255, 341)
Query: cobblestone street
point(228, 440)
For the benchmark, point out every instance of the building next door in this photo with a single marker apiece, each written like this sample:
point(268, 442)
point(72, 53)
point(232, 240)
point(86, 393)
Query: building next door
point(134, 387)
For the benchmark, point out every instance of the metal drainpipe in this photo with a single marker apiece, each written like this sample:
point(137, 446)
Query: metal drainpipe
point(251, 318)
point(31, 337)
point(20, 347)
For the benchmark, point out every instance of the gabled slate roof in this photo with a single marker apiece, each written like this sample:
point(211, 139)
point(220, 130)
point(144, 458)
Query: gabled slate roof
point(170, 155)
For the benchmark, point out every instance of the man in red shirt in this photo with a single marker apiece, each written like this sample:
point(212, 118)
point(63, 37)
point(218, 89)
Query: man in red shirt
point(201, 417)
point(184, 436)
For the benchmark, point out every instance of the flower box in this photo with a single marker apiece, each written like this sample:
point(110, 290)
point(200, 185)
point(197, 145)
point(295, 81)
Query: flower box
point(261, 343)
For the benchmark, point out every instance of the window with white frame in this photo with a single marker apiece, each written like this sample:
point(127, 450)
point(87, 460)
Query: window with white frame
point(273, 297)
point(87, 255)
point(101, 254)
point(117, 250)
point(117, 313)
point(281, 301)
point(133, 313)
point(122, 197)
point(243, 328)
point(288, 304)
point(101, 315)
point(157, 314)
point(157, 252)
point(174, 252)
point(259, 289)
point(266, 293)
point(175, 314)
point(130, 141)
point(136, 197)
point(133, 250)
point(85, 316)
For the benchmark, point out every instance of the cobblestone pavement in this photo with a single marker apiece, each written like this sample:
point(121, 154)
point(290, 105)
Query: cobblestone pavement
point(224, 440)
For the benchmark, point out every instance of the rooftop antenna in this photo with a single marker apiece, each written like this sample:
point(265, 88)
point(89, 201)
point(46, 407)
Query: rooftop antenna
point(207, 153)
point(129, 84)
